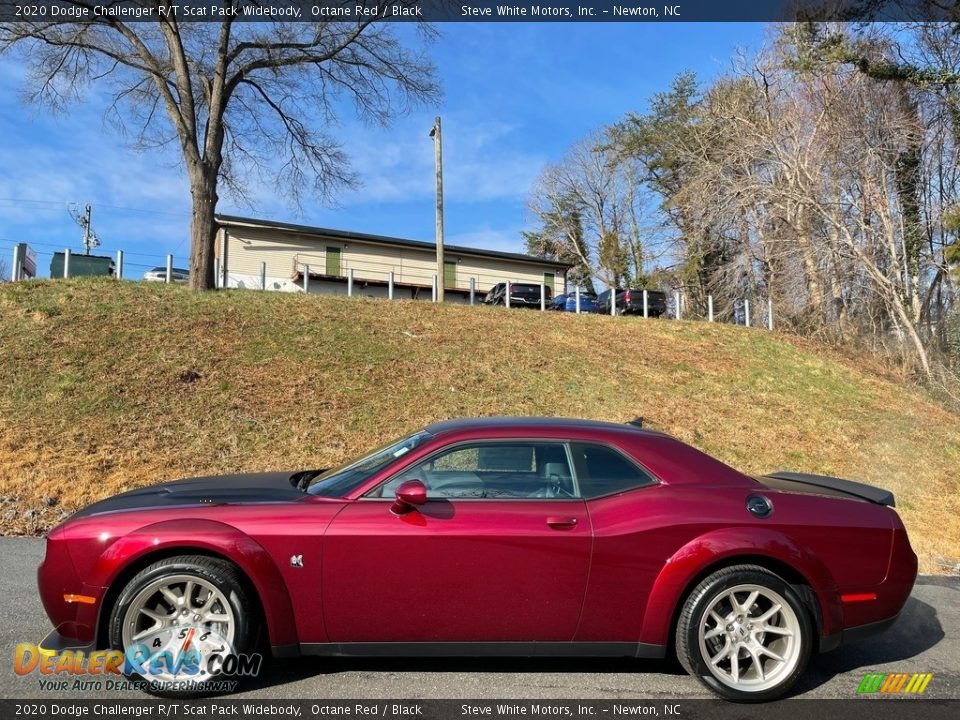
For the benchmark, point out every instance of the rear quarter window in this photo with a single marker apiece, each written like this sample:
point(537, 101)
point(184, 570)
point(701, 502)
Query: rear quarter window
point(602, 470)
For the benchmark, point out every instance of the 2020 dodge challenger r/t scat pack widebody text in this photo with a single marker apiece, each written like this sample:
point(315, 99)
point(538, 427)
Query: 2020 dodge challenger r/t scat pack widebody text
point(494, 536)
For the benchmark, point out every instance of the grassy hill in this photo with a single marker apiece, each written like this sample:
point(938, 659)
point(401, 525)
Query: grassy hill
point(105, 386)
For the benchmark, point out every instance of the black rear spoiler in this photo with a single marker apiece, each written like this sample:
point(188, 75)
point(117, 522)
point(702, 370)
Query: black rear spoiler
point(831, 486)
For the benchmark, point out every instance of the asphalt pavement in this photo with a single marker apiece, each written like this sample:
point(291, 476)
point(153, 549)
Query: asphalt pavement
point(926, 639)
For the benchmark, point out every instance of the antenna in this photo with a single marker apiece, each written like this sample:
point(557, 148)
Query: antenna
point(90, 239)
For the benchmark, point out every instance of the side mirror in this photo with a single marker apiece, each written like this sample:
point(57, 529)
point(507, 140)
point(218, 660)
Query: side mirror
point(409, 495)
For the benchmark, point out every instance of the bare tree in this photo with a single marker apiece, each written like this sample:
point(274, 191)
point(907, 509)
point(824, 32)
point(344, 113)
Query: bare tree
point(590, 204)
point(804, 175)
point(241, 101)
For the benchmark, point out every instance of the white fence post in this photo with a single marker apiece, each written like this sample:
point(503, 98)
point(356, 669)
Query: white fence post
point(543, 297)
point(613, 302)
point(263, 275)
point(473, 290)
point(169, 275)
point(390, 286)
point(119, 271)
point(578, 299)
point(746, 311)
point(66, 263)
point(678, 311)
point(709, 308)
point(306, 278)
point(646, 305)
point(769, 314)
point(507, 292)
point(350, 282)
point(15, 268)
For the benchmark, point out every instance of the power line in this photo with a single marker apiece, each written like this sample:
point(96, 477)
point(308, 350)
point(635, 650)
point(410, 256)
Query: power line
point(101, 205)
point(90, 239)
point(156, 260)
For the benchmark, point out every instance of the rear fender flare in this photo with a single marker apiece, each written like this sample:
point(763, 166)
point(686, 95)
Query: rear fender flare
point(212, 537)
point(722, 547)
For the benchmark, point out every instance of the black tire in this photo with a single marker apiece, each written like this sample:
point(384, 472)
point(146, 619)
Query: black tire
point(223, 575)
point(694, 615)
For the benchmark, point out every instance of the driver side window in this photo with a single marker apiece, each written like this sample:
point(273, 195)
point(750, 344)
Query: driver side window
point(492, 470)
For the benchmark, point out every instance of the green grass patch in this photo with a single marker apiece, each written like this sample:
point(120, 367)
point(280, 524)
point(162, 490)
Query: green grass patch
point(108, 385)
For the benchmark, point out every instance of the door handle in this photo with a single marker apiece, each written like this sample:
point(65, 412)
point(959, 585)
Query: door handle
point(561, 523)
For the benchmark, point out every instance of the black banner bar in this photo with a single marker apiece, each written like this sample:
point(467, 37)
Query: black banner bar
point(93, 11)
point(852, 709)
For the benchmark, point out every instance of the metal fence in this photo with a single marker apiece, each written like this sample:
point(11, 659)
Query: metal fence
point(747, 312)
point(123, 263)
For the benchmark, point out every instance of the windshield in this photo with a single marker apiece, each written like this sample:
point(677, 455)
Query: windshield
point(340, 481)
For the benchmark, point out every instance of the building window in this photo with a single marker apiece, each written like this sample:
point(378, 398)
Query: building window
point(333, 261)
point(548, 279)
point(449, 274)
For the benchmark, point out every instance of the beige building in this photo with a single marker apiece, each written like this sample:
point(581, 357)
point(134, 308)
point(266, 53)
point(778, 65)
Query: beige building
point(287, 257)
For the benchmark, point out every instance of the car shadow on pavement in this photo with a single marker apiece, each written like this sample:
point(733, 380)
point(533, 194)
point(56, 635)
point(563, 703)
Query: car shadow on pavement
point(918, 629)
point(282, 672)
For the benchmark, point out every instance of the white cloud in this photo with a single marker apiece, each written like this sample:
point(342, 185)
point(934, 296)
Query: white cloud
point(142, 201)
point(481, 162)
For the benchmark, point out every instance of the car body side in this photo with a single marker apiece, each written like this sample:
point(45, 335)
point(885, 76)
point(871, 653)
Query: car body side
point(644, 550)
point(159, 274)
point(521, 295)
point(568, 302)
point(630, 302)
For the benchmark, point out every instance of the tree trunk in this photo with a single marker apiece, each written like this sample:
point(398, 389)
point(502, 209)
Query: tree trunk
point(203, 230)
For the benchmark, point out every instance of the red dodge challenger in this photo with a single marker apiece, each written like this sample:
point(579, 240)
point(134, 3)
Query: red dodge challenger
point(493, 536)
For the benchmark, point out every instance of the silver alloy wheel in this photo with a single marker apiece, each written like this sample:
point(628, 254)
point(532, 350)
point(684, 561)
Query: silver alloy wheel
point(750, 638)
point(170, 603)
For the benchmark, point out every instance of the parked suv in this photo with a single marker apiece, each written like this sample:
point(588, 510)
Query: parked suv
point(521, 295)
point(630, 302)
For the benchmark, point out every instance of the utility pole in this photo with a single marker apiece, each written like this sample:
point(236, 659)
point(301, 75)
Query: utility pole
point(84, 220)
point(87, 239)
point(438, 160)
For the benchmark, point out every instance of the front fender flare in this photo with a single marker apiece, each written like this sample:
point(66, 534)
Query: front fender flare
point(723, 547)
point(210, 536)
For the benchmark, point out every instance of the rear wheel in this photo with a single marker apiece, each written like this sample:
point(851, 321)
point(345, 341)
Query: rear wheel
point(745, 633)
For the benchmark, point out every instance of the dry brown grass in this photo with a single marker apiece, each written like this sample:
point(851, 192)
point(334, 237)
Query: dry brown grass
point(106, 386)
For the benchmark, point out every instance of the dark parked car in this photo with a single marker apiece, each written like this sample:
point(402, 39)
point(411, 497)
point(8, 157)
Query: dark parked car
point(568, 302)
point(481, 537)
point(630, 302)
point(521, 295)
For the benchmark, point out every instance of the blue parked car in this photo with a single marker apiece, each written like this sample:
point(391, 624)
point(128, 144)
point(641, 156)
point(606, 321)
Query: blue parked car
point(568, 302)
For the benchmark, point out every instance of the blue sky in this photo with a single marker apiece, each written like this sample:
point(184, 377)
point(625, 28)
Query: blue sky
point(516, 96)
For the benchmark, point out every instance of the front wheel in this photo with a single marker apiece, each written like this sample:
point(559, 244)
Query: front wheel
point(745, 633)
point(178, 620)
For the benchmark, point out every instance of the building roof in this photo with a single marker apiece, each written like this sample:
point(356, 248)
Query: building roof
point(319, 232)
